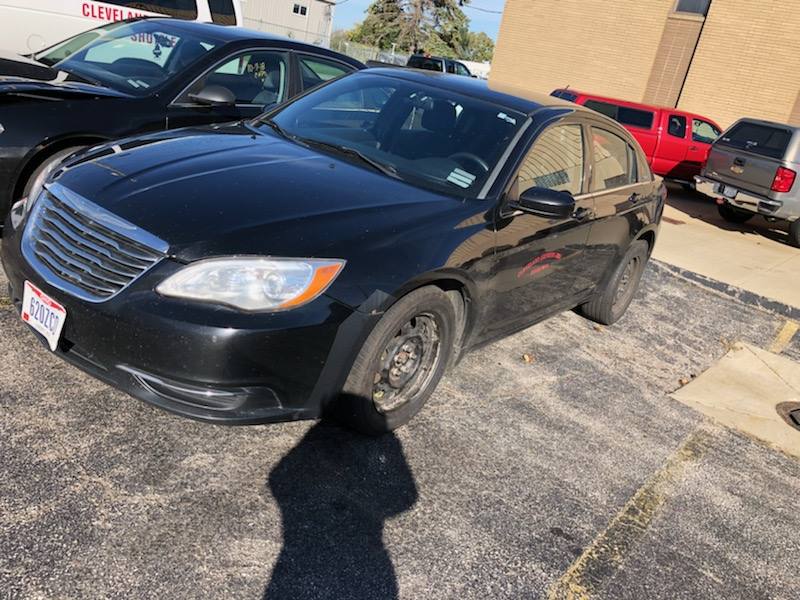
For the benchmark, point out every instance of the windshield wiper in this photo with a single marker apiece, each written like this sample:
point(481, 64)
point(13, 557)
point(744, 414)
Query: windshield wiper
point(347, 151)
point(278, 129)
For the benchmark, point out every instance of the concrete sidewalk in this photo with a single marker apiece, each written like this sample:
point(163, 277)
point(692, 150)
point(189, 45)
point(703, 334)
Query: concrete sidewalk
point(754, 256)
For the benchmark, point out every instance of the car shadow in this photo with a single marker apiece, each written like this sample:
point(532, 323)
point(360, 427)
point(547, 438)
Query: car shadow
point(335, 491)
point(702, 207)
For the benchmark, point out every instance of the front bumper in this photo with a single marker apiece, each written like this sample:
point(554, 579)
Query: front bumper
point(745, 200)
point(202, 361)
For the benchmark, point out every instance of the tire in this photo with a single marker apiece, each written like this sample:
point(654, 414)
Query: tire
point(371, 403)
point(608, 306)
point(732, 214)
point(794, 233)
point(47, 166)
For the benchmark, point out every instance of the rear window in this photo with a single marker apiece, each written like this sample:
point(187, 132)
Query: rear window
point(565, 95)
point(622, 114)
point(429, 64)
point(758, 139)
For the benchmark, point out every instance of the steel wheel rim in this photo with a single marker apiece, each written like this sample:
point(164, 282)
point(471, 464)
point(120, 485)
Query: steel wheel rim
point(625, 287)
point(407, 363)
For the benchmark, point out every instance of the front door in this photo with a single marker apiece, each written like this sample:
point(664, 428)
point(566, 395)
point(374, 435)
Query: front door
point(257, 79)
point(537, 259)
point(672, 147)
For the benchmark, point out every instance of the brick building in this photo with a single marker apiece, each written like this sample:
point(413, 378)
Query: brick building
point(722, 58)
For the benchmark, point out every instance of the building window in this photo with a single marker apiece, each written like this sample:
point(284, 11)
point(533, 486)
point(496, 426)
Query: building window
point(697, 7)
point(299, 9)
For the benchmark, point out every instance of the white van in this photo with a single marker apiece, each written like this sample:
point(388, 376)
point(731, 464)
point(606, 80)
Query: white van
point(29, 25)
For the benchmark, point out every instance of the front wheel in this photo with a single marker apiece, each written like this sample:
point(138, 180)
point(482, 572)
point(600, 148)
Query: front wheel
point(400, 363)
point(732, 214)
point(613, 301)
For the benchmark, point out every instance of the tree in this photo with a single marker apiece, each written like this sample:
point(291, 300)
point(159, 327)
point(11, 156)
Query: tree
point(437, 26)
point(480, 47)
point(383, 24)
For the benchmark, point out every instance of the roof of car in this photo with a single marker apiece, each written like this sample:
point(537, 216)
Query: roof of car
point(629, 103)
point(509, 97)
point(226, 33)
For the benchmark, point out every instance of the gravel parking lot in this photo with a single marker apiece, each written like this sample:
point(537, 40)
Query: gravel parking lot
point(574, 473)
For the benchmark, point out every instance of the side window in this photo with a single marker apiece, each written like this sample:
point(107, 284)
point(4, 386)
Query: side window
point(222, 12)
point(703, 131)
point(676, 126)
point(258, 78)
point(318, 70)
point(451, 67)
point(614, 161)
point(182, 9)
point(462, 70)
point(555, 161)
point(604, 108)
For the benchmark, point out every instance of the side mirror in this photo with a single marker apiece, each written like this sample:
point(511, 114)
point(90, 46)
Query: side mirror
point(546, 203)
point(214, 95)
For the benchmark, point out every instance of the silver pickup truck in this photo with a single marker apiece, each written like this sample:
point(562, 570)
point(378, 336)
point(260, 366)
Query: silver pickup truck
point(751, 169)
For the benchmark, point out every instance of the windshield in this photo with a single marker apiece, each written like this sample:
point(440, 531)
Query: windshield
point(58, 52)
point(137, 57)
point(427, 136)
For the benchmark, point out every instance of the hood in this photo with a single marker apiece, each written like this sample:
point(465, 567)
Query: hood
point(16, 65)
point(24, 75)
point(230, 190)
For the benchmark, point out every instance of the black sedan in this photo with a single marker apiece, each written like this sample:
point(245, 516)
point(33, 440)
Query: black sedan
point(336, 255)
point(140, 76)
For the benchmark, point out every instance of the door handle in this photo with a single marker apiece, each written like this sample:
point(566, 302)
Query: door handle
point(582, 214)
point(693, 148)
point(634, 198)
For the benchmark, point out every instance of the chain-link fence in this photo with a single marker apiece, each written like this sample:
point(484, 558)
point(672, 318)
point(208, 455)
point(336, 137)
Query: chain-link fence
point(364, 53)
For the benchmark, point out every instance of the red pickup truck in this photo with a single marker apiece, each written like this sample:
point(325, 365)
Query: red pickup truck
point(676, 142)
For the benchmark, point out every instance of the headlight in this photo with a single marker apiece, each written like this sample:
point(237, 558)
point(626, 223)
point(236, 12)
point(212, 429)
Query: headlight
point(253, 283)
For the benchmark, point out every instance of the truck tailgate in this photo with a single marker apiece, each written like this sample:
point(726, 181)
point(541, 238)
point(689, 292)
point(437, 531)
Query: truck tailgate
point(745, 170)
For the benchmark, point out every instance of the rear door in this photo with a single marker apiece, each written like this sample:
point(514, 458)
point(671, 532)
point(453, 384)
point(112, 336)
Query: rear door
point(621, 186)
point(748, 154)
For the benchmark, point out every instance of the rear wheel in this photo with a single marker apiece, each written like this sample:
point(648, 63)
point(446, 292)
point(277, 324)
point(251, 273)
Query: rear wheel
point(732, 214)
point(613, 301)
point(794, 233)
point(400, 364)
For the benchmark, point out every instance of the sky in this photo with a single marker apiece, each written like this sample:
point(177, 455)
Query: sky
point(349, 12)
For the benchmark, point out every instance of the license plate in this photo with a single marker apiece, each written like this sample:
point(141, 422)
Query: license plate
point(43, 313)
point(727, 191)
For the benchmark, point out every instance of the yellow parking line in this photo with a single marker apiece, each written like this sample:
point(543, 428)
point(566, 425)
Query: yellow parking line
point(784, 337)
point(605, 554)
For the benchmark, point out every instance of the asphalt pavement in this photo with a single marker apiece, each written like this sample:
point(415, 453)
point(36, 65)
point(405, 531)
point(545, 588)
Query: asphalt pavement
point(573, 474)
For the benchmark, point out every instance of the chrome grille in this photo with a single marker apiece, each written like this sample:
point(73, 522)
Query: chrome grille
point(83, 249)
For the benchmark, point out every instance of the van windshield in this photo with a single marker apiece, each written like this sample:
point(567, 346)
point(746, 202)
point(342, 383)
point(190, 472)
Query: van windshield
point(137, 57)
point(758, 139)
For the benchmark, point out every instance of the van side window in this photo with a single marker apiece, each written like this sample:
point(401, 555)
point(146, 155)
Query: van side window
point(222, 12)
point(614, 161)
point(703, 131)
point(555, 161)
point(677, 126)
point(634, 117)
point(182, 9)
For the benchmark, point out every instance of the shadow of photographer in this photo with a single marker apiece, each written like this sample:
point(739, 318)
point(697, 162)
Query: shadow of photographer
point(335, 490)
